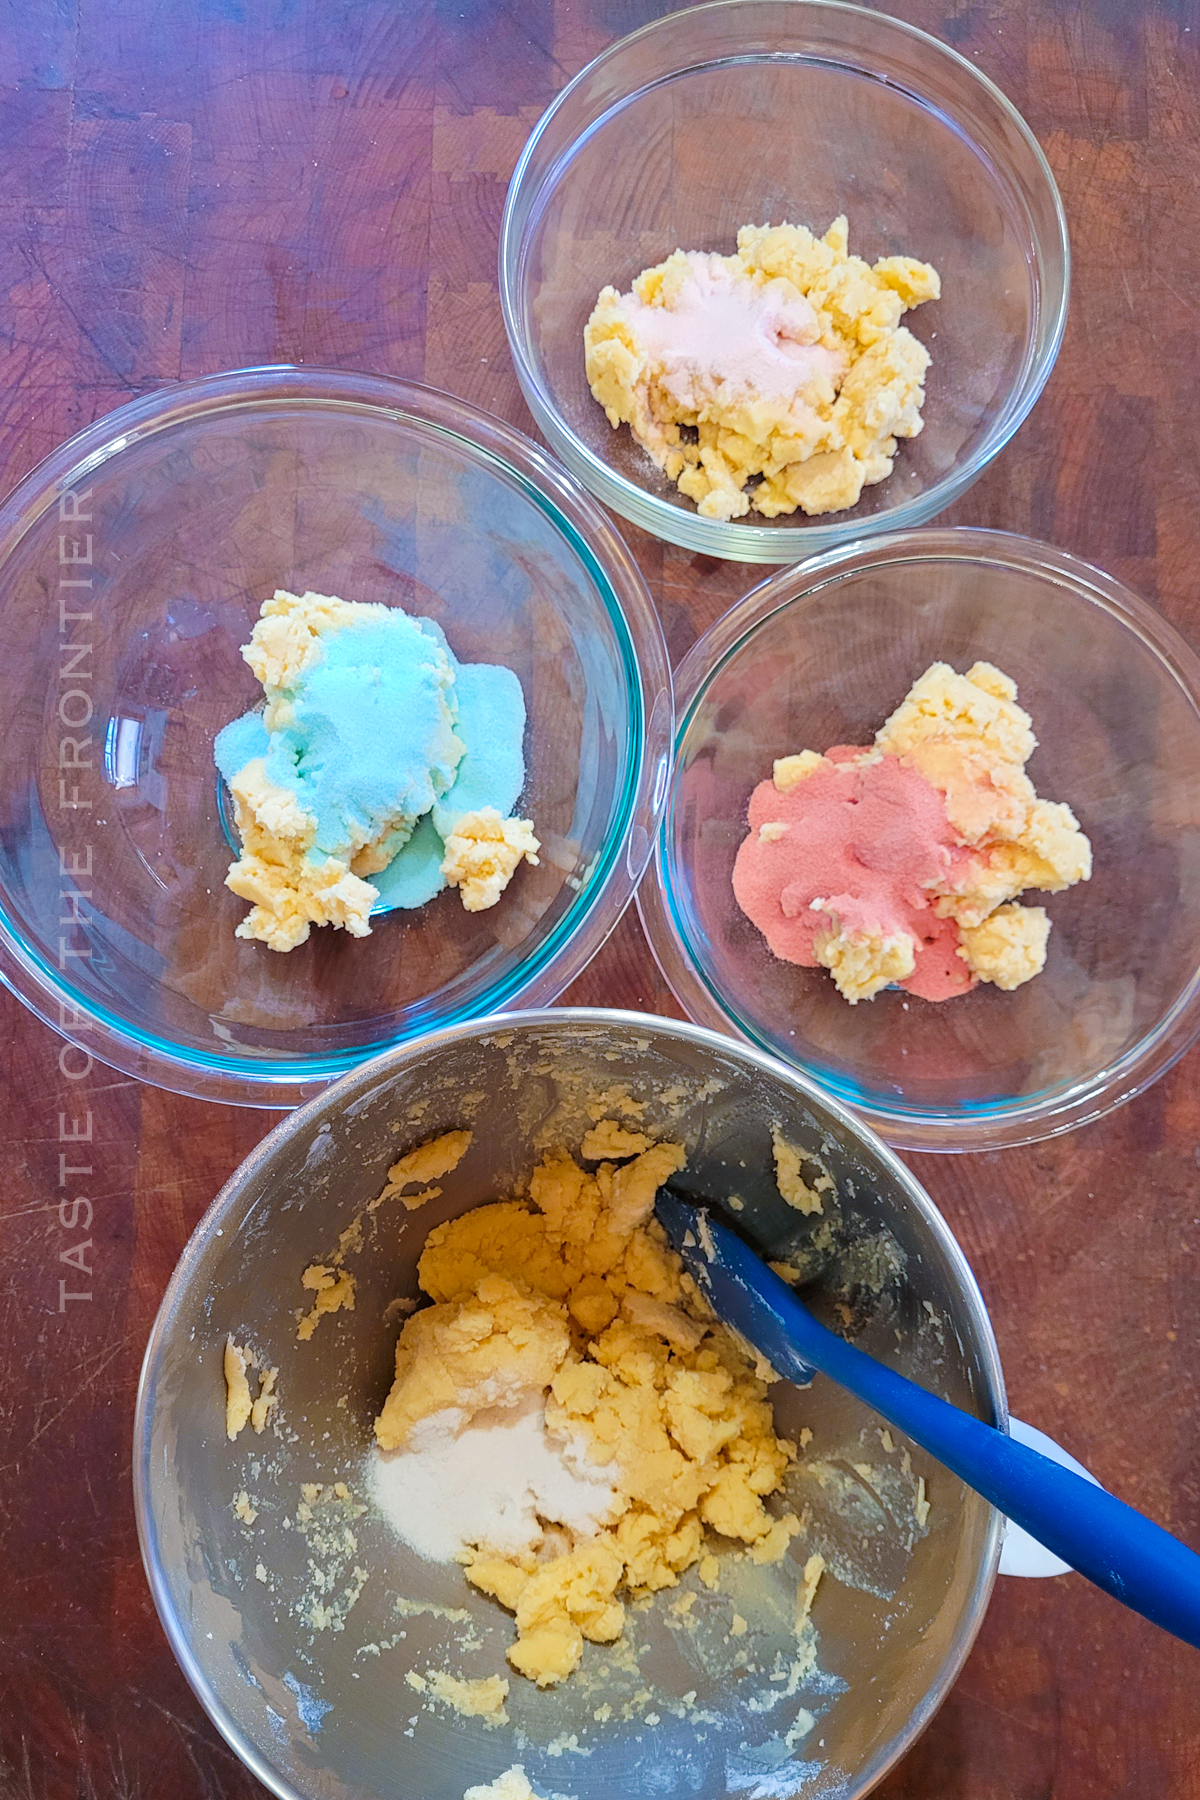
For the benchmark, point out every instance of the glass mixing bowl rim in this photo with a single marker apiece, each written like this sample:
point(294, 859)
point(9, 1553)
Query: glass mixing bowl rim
point(228, 1209)
point(271, 1082)
point(763, 543)
point(978, 1125)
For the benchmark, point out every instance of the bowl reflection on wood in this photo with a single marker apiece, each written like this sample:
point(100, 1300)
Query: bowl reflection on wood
point(317, 1714)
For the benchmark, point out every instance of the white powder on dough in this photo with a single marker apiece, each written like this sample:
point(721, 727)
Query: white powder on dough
point(722, 330)
point(489, 1482)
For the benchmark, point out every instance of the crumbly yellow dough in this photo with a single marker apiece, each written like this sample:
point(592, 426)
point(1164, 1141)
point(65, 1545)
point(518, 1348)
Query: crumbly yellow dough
point(286, 641)
point(968, 737)
point(788, 772)
point(608, 1139)
point(1009, 947)
point(512, 1785)
point(483, 853)
point(241, 1408)
point(862, 962)
point(422, 1166)
point(237, 1389)
point(815, 449)
point(334, 1289)
point(479, 1699)
point(288, 893)
point(789, 1177)
point(578, 1298)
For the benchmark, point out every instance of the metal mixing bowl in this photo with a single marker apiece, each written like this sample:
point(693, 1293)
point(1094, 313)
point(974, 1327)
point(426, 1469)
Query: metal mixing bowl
point(328, 1713)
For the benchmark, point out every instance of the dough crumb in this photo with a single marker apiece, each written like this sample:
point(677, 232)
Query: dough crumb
point(241, 1408)
point(482, 1698)
point(334, 1289)
point(414, 1202)
point(814, 1568)
point(800, 1728)
point(512, 1785)
point(612, 1141)
point(425, 1165)
point(921, 1504)
point(773, 1547)
point(415, 1609)
point(237, 1388)
point(483, 852)
point(267, 1400)
point(788, 772)
point(788, 1179)
point(242, 1508)
point(738, 1626)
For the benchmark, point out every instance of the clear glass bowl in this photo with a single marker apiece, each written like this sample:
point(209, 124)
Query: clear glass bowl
point(132, 566)
point(768, 110)
point(327, 1715)
point(820, 655)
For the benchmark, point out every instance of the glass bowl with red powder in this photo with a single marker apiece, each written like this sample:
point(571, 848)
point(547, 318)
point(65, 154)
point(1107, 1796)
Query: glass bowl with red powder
point(820, 655)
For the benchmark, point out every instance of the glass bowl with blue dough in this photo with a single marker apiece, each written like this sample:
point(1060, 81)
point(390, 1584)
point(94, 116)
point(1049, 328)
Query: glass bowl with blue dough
point(387, 741)
point(133, 566)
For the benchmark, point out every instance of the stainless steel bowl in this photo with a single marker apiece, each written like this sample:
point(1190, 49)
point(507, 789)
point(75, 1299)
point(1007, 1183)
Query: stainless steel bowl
point(328, 1714)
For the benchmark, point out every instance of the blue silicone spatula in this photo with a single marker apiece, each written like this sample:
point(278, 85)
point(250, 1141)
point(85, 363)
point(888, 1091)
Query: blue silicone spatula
point(1123, 1552)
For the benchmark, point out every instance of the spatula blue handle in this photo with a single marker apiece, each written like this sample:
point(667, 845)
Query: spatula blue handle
point(1121, 1551)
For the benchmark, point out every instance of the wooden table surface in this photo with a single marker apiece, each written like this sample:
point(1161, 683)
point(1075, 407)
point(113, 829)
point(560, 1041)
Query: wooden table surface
point(191, 185)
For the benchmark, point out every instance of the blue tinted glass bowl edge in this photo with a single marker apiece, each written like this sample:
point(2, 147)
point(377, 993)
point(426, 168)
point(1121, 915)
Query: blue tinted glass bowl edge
point(596, 908)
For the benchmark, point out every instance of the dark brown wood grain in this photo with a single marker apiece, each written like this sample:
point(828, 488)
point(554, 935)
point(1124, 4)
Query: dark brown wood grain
point(189, 185)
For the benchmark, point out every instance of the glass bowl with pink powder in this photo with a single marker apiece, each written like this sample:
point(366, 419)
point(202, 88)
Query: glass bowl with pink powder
point(754, 112)
point(820, 656)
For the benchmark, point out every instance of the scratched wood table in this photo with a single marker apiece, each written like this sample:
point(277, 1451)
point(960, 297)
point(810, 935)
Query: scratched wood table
point(191, 185)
